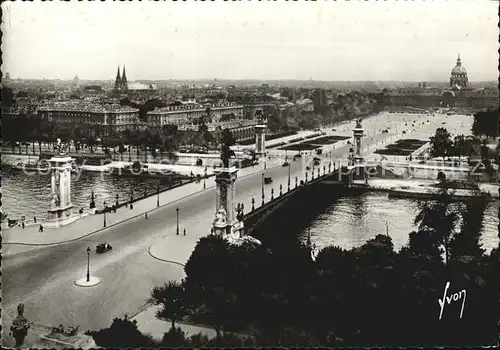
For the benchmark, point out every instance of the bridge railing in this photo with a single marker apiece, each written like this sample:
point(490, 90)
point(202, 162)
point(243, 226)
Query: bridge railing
point(258, 213)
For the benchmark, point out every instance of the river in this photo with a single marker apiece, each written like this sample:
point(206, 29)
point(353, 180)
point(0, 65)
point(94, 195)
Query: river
point(29, 195)
point(346, 221)
point(352, 220)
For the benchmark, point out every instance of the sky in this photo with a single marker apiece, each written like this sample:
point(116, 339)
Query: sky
point(322, 40)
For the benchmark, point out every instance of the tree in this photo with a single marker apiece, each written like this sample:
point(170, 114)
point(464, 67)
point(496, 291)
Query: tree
point(472, 145)
point(7, 97)
point(460, 146)
point(497, 151)
point(485, 157)
point(467, 242)
point(441, 142)
point(486, 123)
point(91, 141)
point(176, 338)
point(122, 333)
point(438, 218)
point(172, 301)
point(206, 282)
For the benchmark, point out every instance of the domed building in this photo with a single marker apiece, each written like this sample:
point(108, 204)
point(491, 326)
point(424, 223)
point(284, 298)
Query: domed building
point(76, 81)
point(458, 78)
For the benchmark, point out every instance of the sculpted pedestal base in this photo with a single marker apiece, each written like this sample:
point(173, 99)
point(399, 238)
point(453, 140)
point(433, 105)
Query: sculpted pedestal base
point(58, 217)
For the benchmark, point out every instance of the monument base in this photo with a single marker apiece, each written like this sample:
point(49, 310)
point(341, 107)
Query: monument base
point(234, 231)
point(54, 340)
point(93, 281)
point(57, 217)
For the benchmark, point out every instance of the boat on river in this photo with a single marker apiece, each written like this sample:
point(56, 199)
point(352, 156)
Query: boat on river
point(431, 192)
point(40, 167)
point(31, 167)
point(143, 171)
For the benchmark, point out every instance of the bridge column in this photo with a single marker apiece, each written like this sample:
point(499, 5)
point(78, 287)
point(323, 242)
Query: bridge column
point(225, 222)
point(59, 213)
point(358, 132)
point(260, 139)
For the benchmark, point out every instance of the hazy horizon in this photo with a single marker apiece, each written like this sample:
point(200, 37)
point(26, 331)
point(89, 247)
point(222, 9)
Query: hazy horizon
point(261, 41)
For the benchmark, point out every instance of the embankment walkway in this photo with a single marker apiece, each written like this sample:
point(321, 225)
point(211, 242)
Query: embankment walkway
point(91, 224)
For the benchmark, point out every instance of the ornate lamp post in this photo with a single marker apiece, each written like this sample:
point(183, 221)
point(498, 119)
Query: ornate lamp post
point(262, 188)
point(205, 178)
point(88, 264)
point(157, 194)
point(253, 204)
point(105, 209)
point(296, 181)
point(289, 165)
point(272, 194)
point(92, 201)
point(239, 211)
point(177, 211)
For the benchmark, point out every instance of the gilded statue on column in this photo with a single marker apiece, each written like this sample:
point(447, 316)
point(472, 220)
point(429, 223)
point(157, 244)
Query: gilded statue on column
point(61, 148)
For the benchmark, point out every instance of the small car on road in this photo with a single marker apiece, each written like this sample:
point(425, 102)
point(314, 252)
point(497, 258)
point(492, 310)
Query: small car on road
point(103, 248)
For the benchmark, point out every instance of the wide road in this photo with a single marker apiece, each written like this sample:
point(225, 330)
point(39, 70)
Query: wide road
point(43, 278)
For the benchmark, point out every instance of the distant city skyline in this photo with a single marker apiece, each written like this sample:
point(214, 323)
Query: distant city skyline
point(323, 41)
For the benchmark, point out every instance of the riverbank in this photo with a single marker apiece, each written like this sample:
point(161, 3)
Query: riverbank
point(421, 188)
point(18, 239)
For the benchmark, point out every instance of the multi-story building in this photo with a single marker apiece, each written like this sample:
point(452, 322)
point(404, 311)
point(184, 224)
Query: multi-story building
point(319, 98)
point(240, 129)
point(187, 114)
point(107, 118)
point(459, 94)
point(305, 105)
point(252, 109)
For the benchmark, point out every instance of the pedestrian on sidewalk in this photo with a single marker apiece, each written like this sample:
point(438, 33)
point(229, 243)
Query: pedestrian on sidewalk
point(40, 229)
point(22, 224)
point(34, 219)
point(184, 232)
point(146, 215)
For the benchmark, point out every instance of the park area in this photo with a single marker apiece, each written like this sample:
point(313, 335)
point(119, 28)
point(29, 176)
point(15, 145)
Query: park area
point(314, 144)
point(327, 140)
point(402, 147)
point(251, 140)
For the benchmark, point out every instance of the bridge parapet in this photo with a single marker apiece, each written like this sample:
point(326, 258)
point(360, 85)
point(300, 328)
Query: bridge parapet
point(257, 214)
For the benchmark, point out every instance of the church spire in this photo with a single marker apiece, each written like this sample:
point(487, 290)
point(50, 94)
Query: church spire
point(459, 62)
point(118, 79)
point(124, 79)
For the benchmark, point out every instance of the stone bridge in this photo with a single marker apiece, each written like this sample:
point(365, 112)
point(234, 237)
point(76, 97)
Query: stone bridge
point(258, 214)
point(342, 179)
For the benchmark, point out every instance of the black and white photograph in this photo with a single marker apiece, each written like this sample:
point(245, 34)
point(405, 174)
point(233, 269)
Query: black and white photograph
point(258, 174)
